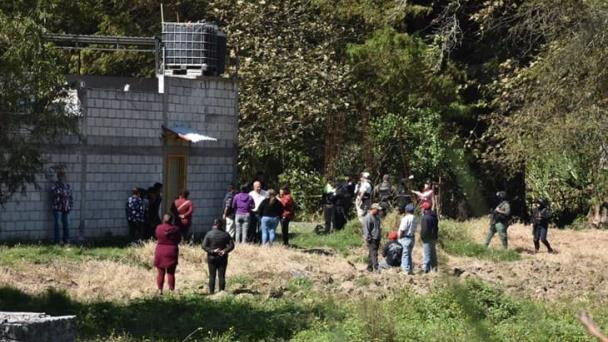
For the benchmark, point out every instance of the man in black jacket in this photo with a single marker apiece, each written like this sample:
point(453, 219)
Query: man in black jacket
point(541, 215)
point(429, 233)
point(217, 244)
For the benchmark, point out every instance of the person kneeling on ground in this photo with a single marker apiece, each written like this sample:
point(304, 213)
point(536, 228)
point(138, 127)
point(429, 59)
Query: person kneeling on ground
point(392, 252)
point(217, 244)
point(429, 233)
point(372, 233)
point(407, 235)
point(168, 237)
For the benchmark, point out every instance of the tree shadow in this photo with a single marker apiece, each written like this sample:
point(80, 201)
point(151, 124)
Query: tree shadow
point(172, 318)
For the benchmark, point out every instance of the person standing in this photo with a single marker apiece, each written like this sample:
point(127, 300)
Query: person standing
point(426, 196)
point(217, 243)
point(288, 212)
point(363, 193)
point(184, 209)
point(168, 237)
point(385, 193)
point(229, 212)
point(258, 196)
point(500, 220)
point(372, 233)
point(541, 215)
point(242, 204)
point(342, 200)
point(61, 205)
point(403, 198)
point(135, 215)
point(270, 212)
point(328, 198)
point(429, 233)
point(392, 252)
point(155, 202)
point(407, 237)
point(350, 186)
point(146, 231)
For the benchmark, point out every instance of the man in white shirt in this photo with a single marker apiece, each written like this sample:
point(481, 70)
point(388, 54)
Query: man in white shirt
point(407, 237)
point(258, 196)
point(363, 191)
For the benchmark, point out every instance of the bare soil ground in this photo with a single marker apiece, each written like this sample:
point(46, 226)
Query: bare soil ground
point(577, 270)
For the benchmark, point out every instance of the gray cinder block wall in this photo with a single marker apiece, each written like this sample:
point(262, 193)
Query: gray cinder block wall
point(124, 146)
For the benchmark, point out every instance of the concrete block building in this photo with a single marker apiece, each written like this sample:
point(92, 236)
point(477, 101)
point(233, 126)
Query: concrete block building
point(134, 136)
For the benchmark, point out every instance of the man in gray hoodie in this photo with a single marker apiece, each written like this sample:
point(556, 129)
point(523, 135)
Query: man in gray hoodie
point(372, 233)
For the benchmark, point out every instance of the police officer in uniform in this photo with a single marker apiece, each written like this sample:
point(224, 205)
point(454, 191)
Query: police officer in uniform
point(500, 220)
point(403, 197)
point(541, 215)
point(385, 193)
point(342, 201)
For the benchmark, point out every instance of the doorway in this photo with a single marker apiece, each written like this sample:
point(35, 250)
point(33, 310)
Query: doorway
point(175, 180)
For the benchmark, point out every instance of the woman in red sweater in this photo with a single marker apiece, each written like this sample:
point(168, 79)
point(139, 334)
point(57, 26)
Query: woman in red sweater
point(288, 213)
point(184, 209)
point(165, 256)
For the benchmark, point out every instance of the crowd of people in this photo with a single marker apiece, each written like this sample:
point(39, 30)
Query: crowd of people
point(252, 214)
point(248, 216)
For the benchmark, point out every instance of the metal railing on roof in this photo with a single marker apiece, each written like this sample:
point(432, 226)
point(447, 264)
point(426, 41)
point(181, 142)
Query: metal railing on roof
point(108, 43)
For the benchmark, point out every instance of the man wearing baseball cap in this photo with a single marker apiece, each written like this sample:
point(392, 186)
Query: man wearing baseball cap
point(372, 233)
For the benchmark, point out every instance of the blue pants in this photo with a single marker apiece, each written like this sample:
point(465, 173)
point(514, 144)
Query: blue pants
point(406, 258)
point(429, 255)
point(268, 226)
point(64, 222)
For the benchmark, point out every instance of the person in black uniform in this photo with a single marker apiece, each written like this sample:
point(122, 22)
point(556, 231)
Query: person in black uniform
point(541, 215)
point(403, 197)
point(329, 200)
point(342, 200)
point(384, 194)
point(217, 244)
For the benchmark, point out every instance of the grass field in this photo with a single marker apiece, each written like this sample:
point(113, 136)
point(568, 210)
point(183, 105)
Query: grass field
point(279, 294)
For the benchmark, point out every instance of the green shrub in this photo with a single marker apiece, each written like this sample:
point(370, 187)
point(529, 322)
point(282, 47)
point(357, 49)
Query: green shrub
point(306, 188)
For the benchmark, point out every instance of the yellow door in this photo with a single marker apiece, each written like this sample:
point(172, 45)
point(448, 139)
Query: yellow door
point(176, 178)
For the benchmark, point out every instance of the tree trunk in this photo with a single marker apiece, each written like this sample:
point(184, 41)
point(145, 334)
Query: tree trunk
point(598, 215)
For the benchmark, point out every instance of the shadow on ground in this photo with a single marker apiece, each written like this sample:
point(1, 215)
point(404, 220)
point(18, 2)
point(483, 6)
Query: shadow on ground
point(172, 318)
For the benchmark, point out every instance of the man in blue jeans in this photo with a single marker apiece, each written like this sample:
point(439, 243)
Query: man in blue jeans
point(61, 204)
point(407, 237)
point(429, 233)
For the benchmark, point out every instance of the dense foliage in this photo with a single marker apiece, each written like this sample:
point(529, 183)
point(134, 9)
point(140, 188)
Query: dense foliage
point(31, 110)
point(481, 96)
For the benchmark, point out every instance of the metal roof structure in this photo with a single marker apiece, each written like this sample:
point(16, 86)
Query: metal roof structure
point(188, 134)
point(108, 43)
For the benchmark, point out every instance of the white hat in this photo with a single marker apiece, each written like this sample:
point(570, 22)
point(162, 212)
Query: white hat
point(365, 175)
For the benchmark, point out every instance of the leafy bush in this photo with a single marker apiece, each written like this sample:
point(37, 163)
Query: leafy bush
point(306, 188)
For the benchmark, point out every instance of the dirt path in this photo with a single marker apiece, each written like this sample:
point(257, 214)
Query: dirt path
point(578, 269)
